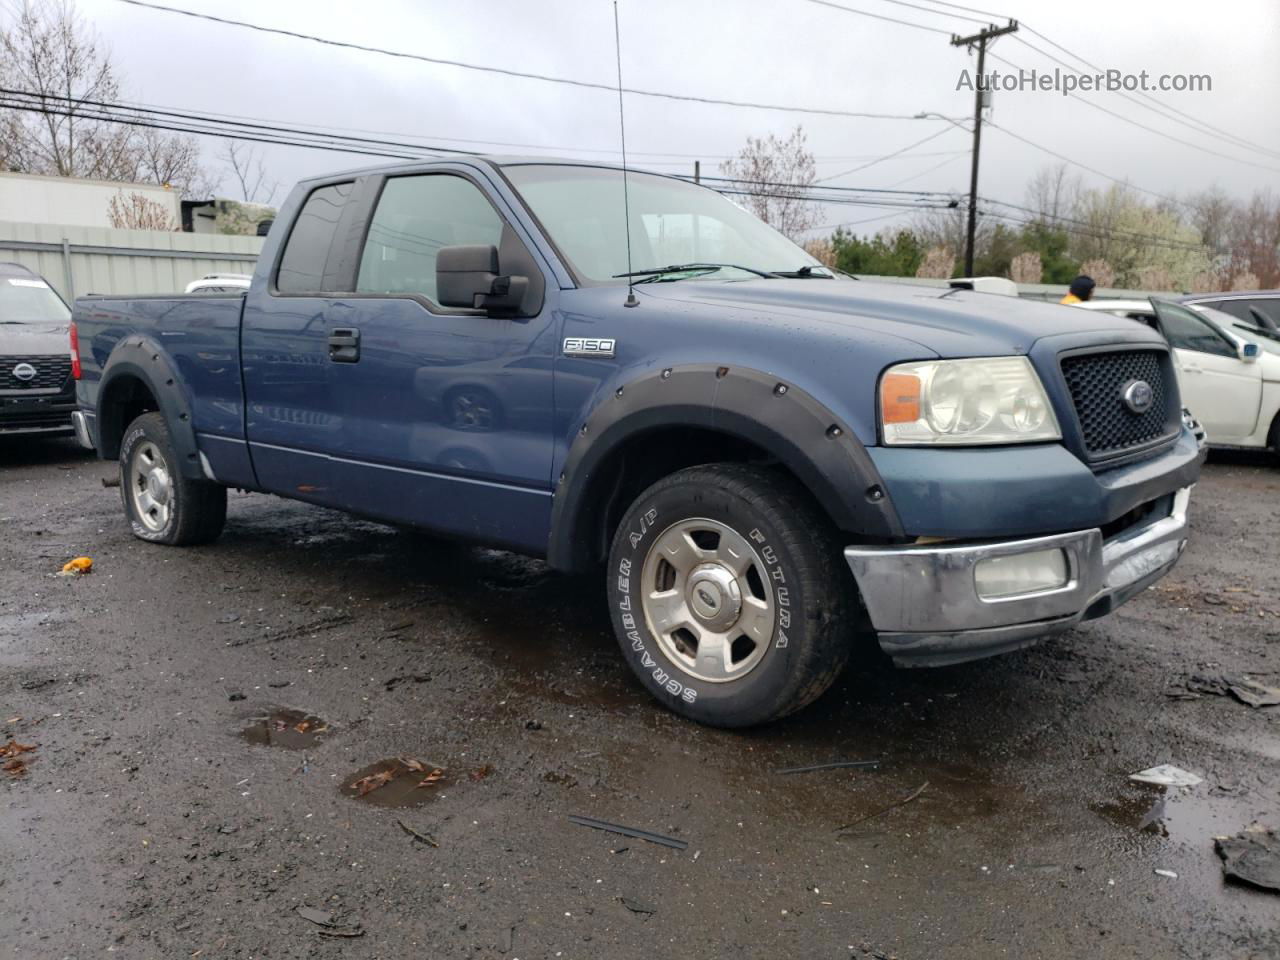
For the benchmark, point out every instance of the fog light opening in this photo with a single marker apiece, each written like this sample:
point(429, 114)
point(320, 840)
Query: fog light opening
point(1003, 578)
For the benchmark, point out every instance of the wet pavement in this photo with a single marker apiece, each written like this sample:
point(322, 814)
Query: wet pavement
point(202, 719)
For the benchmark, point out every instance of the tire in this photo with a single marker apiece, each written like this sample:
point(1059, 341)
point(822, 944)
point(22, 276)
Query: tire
point(776, 624)
point(171, 508)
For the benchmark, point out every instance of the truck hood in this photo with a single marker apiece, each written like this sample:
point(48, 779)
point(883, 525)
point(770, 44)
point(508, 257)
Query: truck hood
point(33, 339)
point(948, 323)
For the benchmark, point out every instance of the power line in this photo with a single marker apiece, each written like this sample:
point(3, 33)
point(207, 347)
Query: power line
point(1038, 215)
point(521, 74)
point(1077, 163)
point(1130, 120)
point(209, 125)
point(915, 176)
point(878, 16)
point(1218, 131)
point(1159, 109)
point(196, 127)
point(856, 223)
point(887, 156)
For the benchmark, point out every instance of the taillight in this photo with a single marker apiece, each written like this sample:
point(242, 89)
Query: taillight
point(75, 353)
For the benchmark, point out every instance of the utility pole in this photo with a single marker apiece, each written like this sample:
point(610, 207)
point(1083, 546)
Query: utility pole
point(697, 171)
point(980, 39)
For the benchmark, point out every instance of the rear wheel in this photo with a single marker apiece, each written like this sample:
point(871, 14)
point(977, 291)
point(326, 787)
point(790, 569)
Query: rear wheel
point(162, 505)
point(728, 595)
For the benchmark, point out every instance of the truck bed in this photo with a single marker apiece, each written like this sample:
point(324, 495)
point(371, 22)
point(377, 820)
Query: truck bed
point(200, 333)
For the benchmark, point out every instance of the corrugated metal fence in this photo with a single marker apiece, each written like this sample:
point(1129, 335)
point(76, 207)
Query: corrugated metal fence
point(80, 260)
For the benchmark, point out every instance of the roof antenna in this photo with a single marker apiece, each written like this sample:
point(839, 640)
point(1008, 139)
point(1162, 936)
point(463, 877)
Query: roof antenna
point(622, 126)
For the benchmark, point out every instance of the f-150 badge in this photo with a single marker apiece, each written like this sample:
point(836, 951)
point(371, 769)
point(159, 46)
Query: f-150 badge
point(588, 347)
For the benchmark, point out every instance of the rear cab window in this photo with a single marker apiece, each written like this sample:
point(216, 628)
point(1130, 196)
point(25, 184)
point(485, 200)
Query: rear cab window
point(305, 266)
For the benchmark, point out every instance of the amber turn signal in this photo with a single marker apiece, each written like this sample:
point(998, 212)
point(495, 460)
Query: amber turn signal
point(899, 398)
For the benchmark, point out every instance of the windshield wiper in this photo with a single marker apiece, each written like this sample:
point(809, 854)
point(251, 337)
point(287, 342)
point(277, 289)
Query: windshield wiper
point(700, 268)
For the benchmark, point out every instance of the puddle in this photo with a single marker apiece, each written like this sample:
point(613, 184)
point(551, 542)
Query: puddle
point(1181, 816)
point(289, 729)
point(396, 782)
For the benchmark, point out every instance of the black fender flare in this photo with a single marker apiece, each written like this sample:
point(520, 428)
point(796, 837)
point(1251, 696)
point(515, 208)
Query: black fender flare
point(142, 358)
point(777, 416)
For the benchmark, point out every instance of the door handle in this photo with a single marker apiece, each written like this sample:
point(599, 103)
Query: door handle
point(344, 345)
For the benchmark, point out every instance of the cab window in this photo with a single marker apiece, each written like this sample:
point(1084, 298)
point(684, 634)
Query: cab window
point(415, 217)
point(302, 265)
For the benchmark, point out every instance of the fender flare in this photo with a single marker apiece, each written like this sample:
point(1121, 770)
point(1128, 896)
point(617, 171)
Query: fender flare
point(142, 358)
point(777, 416)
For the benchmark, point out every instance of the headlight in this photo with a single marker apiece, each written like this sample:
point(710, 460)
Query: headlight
point(982, 401)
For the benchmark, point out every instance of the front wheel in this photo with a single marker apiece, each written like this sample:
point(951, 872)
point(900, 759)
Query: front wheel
point(162, 505)
point(728, 595)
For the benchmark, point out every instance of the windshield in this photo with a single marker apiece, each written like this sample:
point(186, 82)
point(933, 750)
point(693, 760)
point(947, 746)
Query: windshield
point(30, 300)
point(1234, 328)
point(672, 222)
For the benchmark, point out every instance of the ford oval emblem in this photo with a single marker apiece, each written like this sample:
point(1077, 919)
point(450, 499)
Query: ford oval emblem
point(24, 372)
point(1138, 396)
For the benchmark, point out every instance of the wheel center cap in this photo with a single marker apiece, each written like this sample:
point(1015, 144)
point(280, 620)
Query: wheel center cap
point(714, 596)
point(158, 486)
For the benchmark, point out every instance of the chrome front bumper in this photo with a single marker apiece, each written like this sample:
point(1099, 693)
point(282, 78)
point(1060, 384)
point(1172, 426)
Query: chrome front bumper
point(923, 600)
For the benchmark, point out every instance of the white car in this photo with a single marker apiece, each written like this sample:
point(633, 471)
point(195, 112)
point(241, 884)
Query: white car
point(1229, 382)
point(220, 283)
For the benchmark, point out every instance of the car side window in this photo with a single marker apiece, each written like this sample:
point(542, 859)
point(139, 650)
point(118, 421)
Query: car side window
point(415, 217)
point(306, 251)
point(1240, 309)
point(1186, 331)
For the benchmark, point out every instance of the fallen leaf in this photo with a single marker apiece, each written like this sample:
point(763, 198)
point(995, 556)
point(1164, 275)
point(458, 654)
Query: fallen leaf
point(479, 773)
point(431, 779)
point(13, 748)
point(15, 767)
point(375, 780)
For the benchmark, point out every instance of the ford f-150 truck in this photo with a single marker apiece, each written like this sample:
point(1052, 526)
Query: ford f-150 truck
point(760, 458)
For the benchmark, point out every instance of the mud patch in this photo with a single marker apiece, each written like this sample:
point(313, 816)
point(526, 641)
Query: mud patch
point(287, 729)
point(396, 782)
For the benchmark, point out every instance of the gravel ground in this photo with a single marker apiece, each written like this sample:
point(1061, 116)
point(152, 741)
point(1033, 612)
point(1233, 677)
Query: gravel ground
point(202, 717)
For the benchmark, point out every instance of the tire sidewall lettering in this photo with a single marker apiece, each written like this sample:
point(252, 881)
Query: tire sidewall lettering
point(663, 676)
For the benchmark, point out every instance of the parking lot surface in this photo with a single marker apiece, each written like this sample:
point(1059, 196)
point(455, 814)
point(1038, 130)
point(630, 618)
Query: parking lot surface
point(204, 720)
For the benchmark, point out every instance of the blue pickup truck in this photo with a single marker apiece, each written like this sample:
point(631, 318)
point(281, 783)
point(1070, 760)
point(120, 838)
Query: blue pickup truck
point(760, 458)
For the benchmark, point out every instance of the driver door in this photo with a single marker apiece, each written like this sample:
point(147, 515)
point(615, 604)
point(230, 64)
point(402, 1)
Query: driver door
point(1222, 391)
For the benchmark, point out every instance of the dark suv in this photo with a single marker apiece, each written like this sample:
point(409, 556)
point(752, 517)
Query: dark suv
point(37, 389)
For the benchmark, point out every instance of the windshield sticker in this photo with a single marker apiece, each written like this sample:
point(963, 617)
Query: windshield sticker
point(20, 282)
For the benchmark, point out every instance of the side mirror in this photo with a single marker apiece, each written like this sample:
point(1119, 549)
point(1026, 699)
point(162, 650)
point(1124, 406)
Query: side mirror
point(1248, 352)
point(467, 276)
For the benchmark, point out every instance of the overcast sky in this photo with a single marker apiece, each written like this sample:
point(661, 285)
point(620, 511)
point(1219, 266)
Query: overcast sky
point(794, 52)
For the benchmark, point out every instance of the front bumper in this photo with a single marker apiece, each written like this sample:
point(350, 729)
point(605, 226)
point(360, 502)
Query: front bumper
point(923, 600)
point(24, 414)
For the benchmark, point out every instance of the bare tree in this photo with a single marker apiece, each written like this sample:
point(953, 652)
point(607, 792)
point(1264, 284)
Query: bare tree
point(772, 175)
point(250, 172)
point(134, 211)
point(1052, 193)
point(49, 53)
